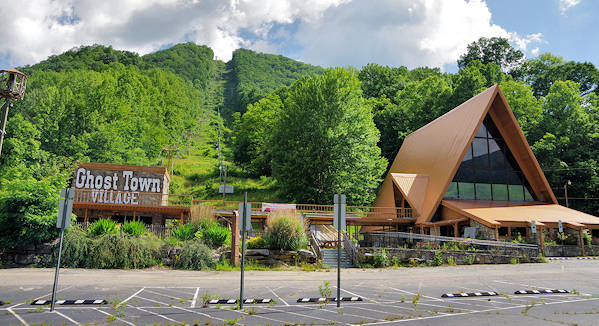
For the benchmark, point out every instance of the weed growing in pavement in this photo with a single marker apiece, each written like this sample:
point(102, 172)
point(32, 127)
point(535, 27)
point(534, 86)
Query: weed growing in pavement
point(117, 306)
point(506, 296)
point(207, 297)
point(402, 298)
point(250, 311)
point(528, 307)
point(514, 260)
point(325, 289)
point(394, 317)
point(574, 291)
point(332, 322)
point(231, 321)
point(415, 301)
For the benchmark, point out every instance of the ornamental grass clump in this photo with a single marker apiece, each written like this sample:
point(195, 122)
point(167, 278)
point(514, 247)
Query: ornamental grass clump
point(285, 231)
point(134, 228)
point(103, 226)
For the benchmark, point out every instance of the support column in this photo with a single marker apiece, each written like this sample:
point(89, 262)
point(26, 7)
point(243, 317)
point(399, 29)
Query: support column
point(134, 219)
point(421, 229)
point(581, 241)
point(497, 233)
point(456, 230)
point(182, 218)
point(235, 239)
point(85, 216)
point(509, 232)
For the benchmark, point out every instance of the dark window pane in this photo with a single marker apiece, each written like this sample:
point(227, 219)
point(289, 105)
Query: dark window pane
point(499, 176)
point(452, 191)
point(483, 191)
point(516, 192)
point(465, 175)
point(500, 192)
point(480, 153)
point(515, 178)
point(466, 190)
point(492, 129)
point(482, 176)
point(527, 195)
point(496, 154)
point(467, 161)
point(482, 131)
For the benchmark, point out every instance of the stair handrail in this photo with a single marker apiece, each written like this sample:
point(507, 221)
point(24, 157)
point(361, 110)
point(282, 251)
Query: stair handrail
point(351, 248)
point(314, 244)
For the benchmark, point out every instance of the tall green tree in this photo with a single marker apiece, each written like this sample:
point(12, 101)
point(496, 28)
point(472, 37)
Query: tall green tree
point(325, 141)
point(494, 49)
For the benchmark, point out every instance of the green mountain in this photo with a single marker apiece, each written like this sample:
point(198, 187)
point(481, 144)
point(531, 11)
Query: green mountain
point(95, 103)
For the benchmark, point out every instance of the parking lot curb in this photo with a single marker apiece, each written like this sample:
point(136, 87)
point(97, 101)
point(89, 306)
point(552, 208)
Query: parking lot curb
point(68, 302)
point(234, 301)
point(470, 294)
point(540, 291)
point(303, 300)
point(570, 258)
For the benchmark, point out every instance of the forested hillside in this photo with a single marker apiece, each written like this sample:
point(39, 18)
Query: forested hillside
point(290, 131)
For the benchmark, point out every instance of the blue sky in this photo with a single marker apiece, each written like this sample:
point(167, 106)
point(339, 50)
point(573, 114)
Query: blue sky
point(412, 33)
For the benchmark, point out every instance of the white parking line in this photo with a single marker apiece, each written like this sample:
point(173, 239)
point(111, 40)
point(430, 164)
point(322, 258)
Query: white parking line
point(180, 308)
point(129, 298)
point(117, 318)
point(520, 284)
point(298, 314)
point(276, 295)
point(412, 293)
point(357, 295)
point(164, 295)
point(159, 315)
point(66, 317)
point(195, 298)
point(474, 312)
point(18, 317)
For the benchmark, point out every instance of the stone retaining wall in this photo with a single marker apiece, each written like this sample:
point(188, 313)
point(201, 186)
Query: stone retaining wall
point(460, 257)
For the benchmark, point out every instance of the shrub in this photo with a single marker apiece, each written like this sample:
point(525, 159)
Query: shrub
point(111, 250)
point(215, 235)
point(284, 232)
point(103, 226)
point(256, 243)
point(195, 255)
point(185, 232)
point(381, 259)
point(134, 228)
point(75, 249)
point(28, 210)
point(586, 236)
point(438, 258)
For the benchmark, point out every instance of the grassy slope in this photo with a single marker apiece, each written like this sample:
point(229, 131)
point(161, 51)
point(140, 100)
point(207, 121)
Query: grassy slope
point(198, 174)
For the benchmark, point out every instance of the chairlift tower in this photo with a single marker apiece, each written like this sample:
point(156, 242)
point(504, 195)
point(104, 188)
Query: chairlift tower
point(12, 87)
point(170, 153)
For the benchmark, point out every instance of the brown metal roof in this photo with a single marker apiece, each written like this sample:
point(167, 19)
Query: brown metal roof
point(438, 148)
point(502, 212)
point(413, 188)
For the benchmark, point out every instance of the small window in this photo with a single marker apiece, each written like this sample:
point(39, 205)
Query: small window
point(483, 191)
point(452, 191)
point(516, 192)
point(466, 190)
point(500, 192)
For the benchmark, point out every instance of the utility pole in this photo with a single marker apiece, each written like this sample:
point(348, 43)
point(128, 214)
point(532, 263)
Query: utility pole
point(12, 87)
point(170, 153)
point(566, 191)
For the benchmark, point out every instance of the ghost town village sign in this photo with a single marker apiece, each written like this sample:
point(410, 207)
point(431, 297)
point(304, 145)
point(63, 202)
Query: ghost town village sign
point(116, 187)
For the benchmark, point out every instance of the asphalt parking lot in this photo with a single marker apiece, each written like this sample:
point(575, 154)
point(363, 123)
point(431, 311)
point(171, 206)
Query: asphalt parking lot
point(390, 296)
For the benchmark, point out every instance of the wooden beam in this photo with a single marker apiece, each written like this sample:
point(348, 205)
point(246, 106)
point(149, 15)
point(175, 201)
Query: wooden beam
point(542, 241)
point(182, 218)
point(497, 233)
point(456, 230)
point(134, 216)
point(85, 216)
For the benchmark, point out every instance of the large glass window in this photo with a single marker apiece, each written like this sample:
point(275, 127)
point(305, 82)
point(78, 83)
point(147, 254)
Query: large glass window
point(489, 171)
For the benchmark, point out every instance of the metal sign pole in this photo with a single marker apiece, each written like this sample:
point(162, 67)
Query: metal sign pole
point(339, 223)
point(65, 209)
point(243, 228)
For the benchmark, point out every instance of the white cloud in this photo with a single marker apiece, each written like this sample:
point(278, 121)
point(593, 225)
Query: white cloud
point(564, 5)
point(34, 29)
point(399, 32)
point(325, 32)
point(535, 51)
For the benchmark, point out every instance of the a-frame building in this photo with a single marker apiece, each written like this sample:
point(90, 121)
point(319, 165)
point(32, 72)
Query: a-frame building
point(473, 167)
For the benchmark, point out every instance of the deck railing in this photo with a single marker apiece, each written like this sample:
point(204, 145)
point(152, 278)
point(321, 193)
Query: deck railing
point(379, 213)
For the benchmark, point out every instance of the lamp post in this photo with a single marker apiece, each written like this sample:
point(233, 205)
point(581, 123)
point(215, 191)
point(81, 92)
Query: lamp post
point(566, 191)
point(12, 87)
